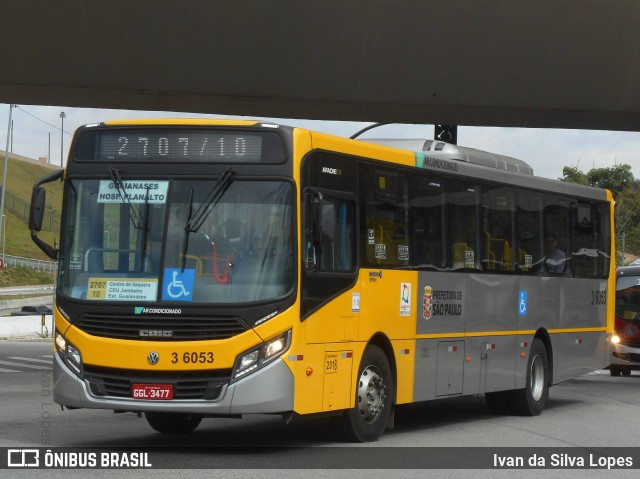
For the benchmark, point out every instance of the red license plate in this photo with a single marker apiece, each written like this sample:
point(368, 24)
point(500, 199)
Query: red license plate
point(152, 391)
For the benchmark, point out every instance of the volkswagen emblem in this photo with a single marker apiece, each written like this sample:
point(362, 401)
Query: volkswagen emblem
point(153, 358)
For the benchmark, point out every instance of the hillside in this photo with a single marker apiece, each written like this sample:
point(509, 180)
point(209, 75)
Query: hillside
point(21, 175)
point(19, 276)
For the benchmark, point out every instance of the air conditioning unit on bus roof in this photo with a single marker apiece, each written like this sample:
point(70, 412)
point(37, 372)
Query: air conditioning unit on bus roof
point(447, 151)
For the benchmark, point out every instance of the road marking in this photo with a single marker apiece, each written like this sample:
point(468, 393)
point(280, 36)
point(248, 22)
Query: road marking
point(2, 370)
point(11, 363)
point(46, 361)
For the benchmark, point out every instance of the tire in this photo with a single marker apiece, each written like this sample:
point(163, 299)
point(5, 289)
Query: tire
point(367, 420)
point(626, 371)
point(173, 423)
point(615, 370)
point(531, 400)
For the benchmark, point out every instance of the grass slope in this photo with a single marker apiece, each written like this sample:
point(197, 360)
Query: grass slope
point(21, 176)
point(18, 276)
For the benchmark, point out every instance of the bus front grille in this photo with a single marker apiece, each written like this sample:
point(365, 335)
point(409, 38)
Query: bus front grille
point(160, 328)
point(188, 385)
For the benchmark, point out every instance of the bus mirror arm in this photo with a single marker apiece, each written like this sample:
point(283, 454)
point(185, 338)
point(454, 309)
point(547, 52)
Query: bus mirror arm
point(49, 250)
point(36, 212)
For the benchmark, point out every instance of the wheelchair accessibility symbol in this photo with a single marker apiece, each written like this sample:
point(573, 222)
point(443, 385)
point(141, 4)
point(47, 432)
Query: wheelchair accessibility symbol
point(522, 303)
point(178, 284)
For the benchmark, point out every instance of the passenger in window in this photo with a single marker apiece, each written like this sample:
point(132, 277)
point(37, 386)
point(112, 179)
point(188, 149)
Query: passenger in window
point(556, 259)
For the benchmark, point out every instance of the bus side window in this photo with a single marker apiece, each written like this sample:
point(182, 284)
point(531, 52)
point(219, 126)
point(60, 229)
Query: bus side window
point(386, 218)
point(602, 233)
point(337, 236)
point(427, 205)
point(462, 213)
point(329, 234)
point(529, 232)
point(556, 227)
point(498, 229)
point(584, 243)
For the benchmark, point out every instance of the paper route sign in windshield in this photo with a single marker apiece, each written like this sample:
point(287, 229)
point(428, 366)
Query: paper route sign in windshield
point(135, 190)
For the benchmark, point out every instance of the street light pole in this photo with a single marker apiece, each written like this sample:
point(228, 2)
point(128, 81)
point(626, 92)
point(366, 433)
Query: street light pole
point(62, 117)
point(4, 177)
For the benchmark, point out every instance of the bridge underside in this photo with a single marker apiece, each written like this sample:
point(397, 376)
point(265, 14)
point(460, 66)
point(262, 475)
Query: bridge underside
point(540, 63)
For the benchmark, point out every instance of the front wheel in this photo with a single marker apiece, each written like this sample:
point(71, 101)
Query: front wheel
point(367, 420)
point(531, 400)
point(173, 423)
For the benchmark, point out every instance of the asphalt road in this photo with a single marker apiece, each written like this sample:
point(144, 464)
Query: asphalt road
point(593, 412)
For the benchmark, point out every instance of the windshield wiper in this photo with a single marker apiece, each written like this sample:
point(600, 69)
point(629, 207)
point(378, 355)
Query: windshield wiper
point(210, 201)
point(120, 188)
point(187, 231)
point(145, 230)
point(197, 219)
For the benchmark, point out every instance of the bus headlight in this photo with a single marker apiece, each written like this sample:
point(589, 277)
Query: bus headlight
point(258, 357)
point(69, 354)
point(615, 339)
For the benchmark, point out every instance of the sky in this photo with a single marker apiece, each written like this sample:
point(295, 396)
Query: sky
point(37, 132)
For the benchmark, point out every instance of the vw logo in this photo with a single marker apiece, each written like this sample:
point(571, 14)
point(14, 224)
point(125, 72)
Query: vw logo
point(153, 358)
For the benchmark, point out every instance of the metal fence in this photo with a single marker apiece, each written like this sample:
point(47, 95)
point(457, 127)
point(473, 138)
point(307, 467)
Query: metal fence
point(20, 208)
point(40, 265)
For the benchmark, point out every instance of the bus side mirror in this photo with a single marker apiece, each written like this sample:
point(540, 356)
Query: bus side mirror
point(36, 213)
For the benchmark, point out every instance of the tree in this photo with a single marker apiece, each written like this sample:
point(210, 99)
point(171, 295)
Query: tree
point(572, 174)
point(616, 178)
point(627, 209)
point(626, 192)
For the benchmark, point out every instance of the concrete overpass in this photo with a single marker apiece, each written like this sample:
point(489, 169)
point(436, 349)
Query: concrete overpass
point(534, 63)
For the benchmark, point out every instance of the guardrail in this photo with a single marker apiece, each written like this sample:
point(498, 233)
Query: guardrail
point(40, 265)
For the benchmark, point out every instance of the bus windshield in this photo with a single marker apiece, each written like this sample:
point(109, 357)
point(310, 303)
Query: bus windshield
point(204, 241)
point(628, 298)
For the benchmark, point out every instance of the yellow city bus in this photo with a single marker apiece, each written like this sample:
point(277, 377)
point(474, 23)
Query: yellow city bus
point(221, 268)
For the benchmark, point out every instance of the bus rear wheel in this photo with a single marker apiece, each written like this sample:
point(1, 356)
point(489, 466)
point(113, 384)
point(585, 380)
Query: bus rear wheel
point(173, 423)
point(367, 420)
point(531, 400)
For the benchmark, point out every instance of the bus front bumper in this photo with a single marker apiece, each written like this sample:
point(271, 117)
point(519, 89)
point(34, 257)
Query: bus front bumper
point(628, 356)
point(269, 390)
